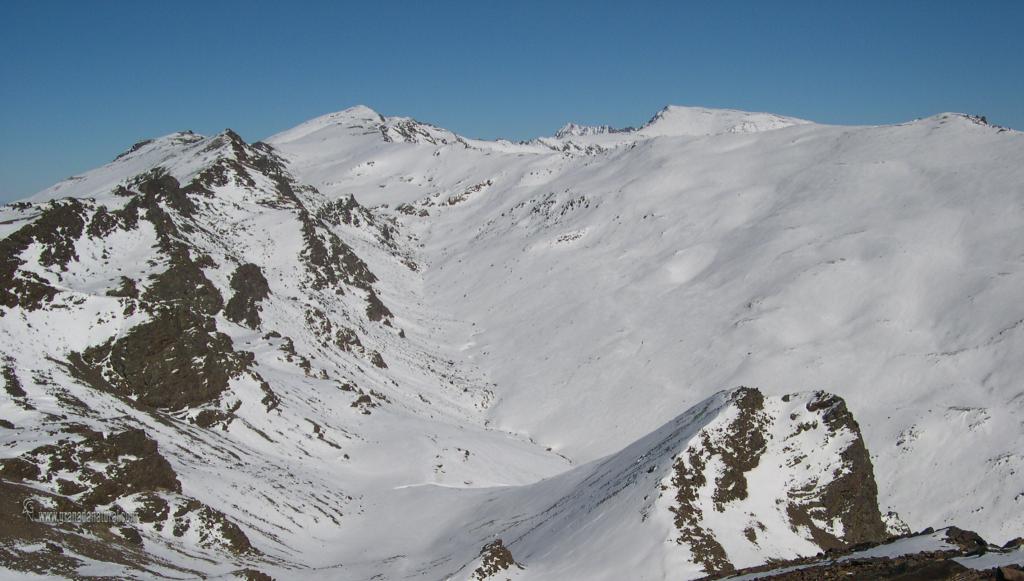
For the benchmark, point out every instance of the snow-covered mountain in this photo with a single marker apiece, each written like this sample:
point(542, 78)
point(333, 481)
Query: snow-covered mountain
point(372, 348)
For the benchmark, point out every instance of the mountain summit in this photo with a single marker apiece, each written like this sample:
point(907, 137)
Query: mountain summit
point(676, 120)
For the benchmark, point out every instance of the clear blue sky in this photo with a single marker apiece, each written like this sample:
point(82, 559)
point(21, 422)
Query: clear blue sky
point(83, 80)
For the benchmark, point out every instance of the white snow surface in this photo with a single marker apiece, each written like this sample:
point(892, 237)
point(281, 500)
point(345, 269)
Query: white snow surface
point(880, 263)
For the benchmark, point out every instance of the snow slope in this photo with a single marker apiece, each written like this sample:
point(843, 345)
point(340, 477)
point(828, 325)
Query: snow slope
point(718, 248)
point(626, 514)
point(697, 121)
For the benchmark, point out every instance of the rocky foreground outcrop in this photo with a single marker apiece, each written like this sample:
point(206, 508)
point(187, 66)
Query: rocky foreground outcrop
point(737, 480)
point(949, 554)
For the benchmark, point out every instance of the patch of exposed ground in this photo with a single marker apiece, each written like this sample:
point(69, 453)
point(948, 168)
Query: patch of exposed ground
point(495, 558)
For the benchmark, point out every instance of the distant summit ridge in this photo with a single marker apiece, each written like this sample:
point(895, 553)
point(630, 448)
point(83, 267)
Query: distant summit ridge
point(575, 130)
point(679, 120)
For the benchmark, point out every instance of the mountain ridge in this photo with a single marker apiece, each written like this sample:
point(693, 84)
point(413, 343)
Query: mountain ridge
point(733, 121)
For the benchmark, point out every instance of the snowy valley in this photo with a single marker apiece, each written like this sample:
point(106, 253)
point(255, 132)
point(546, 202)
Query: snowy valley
point(370, 348)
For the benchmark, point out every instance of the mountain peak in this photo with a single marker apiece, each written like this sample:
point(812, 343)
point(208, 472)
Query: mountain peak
point(356, 114)
point(361, 111)
point(676, 120)
point(575, 130)
point(965, 119)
